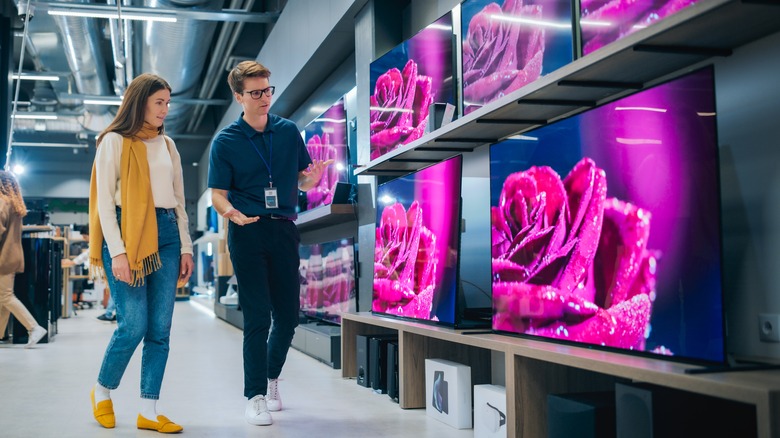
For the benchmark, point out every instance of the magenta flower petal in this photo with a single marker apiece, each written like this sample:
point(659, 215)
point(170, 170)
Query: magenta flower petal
point(401, 101)
point(405, 261)
point(568, 263)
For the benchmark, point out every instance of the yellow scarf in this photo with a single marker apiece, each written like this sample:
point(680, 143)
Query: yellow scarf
point(139, 220)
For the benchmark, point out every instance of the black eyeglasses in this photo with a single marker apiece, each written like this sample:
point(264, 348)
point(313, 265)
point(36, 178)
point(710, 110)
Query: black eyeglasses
point(257, 94)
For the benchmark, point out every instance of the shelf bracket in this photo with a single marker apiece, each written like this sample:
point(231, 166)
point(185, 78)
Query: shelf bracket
point(600, 84)
point(512, 121)
point(557, 102)
point(683, 50)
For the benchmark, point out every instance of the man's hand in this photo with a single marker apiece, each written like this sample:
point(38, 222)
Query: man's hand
point(313, 174)
point(239, 218)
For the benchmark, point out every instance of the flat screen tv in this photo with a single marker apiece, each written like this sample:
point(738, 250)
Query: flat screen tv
point(406, 81)
point(326, 138)
point(606, 226)
point(602, 21)
point(417, 244)
point(511, 43)
point(327, 278)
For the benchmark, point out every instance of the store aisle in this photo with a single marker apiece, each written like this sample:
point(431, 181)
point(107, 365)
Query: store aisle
point(44, 391)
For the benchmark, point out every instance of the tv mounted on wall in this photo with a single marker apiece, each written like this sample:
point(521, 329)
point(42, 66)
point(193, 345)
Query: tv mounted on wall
point(326, 138)
point(406, 81)
point(602, 22)
point(327, 278)
point(417, 244)
point(511, 43)
point(606, 226)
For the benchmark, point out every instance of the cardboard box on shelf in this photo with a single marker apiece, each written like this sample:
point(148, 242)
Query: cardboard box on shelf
point(224, 266)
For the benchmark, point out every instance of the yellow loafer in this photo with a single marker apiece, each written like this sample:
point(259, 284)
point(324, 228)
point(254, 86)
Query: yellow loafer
point(162, 425)
point(103, 412)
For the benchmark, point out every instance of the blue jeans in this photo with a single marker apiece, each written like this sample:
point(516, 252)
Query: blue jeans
point(144, 313)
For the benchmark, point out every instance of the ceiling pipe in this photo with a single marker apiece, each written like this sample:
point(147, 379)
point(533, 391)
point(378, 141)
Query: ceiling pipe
point(118, 51)
point(171, 50)
point(227, 39)
point(80, 36)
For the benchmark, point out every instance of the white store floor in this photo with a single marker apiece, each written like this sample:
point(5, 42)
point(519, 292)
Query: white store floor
point(44, 391)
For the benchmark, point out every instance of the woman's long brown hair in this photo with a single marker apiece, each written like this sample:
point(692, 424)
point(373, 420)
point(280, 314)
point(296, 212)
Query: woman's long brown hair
point(130, 117)
point(11, 193)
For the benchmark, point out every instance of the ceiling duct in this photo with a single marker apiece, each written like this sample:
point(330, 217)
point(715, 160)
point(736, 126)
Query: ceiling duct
point(80, 40)
point(174, 52)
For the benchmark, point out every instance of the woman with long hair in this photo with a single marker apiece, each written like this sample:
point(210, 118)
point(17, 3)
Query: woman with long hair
point(139, 240)
point(12, 210)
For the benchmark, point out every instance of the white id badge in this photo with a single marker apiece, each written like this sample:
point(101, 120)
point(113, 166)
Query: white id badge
point(271, 199)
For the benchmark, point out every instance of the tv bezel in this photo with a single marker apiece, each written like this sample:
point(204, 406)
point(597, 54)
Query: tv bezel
point(458, 311)
point(303, 203)
point(455, 71)
point(643, 353)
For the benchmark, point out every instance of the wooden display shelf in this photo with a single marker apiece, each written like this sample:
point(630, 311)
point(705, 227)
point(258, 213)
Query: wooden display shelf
point(706, 29)
point(535, 369)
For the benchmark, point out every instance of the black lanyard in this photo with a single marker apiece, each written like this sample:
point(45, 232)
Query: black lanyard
point(270, 156)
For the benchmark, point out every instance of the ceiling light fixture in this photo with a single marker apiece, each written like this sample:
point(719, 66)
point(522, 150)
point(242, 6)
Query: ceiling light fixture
point(34, 116)
point(35, 77)
point(106, 101)
point(86, 13)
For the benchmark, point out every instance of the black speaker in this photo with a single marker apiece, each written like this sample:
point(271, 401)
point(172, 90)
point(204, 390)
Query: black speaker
point(644, 410)
point(377, 361)
point(584, 415)
point(363, 369)
point(392, 370)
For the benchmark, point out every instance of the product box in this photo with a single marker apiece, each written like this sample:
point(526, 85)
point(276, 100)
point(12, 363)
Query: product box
point(489, 411)
point(224, 266)
point(448, 392)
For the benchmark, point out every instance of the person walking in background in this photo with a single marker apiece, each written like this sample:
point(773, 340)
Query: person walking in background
point(12, 210)
point(110, 314)
point(139, 240)
point(257, 165)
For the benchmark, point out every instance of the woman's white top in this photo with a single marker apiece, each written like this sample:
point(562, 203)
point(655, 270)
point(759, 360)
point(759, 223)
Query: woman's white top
point(167, 187)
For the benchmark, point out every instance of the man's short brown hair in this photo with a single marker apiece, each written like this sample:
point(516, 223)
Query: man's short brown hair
point(246, 69)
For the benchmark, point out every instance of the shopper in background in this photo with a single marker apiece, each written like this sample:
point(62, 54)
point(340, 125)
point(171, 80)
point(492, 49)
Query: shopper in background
point(12, 210)
point(110, 313)
point(139, 240)
point(257, 165)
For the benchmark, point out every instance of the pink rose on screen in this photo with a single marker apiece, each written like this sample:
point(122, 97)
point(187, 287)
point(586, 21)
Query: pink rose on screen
point(399, 108)
point(570, 263)
point(405, 261)
point(501, 55)
point(605, 21)
point(320, 149)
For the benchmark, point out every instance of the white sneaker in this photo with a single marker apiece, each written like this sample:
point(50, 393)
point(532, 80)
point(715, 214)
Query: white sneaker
point(257, 412)
point(35, 336)
point(273, 399)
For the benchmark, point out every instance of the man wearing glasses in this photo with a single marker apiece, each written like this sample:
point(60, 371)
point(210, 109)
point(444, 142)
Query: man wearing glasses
point(257, 165)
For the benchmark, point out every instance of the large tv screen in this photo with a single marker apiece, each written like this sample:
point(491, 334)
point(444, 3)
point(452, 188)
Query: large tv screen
point(406, 81)
point(605, 21)
point(606, 226)
point(327, 278)
point(326, 139)
point(417, 244)
point(509, 44)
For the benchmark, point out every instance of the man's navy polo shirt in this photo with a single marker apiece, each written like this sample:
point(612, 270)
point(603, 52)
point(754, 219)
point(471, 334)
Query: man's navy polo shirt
point(235, 165)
